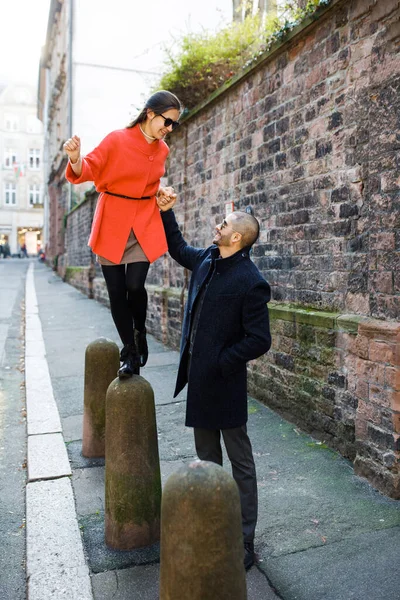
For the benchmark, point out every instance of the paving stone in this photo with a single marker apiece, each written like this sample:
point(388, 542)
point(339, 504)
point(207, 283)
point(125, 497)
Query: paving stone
point(47, 457)
point(42, 412)
point(55, 559)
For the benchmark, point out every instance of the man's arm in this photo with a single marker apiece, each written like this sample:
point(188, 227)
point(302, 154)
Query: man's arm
point(257, 336)
point(185, 255)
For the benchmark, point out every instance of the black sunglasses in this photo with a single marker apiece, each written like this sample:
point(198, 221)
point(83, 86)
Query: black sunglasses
point(168, 122)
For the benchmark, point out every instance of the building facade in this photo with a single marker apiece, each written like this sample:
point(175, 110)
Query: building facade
point(81, 91)
point(21, 173)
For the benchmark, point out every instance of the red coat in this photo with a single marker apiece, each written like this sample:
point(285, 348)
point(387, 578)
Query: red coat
point(126, 164)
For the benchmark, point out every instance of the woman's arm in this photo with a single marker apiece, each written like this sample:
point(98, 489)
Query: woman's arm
point(73, 148)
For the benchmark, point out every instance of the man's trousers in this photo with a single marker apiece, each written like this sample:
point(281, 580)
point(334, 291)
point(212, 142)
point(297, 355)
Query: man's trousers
point(239, 450)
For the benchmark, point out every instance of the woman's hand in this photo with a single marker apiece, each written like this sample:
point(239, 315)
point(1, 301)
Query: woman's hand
point(164, 201)
point(73, 148)
point(167, 192)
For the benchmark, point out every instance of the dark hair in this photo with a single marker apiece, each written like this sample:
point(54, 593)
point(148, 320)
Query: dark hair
point(248, 226)
point(159, 103)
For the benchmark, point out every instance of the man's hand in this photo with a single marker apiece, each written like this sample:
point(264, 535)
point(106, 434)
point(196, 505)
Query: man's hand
point(166, 198)
point(73, 148)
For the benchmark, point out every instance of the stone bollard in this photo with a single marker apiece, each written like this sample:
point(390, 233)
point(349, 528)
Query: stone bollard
point(101, 366)
point(132, 474)
point(201, 535)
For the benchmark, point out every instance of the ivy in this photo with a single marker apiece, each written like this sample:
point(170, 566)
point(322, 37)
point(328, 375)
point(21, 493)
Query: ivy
point(205, 62)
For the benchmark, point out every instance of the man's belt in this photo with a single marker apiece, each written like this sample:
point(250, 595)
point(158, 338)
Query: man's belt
point(127, 197)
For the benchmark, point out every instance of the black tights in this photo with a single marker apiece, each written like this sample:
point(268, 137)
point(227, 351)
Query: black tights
point(128, 297)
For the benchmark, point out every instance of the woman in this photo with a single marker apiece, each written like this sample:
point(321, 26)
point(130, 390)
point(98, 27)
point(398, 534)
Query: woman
point(127, 232)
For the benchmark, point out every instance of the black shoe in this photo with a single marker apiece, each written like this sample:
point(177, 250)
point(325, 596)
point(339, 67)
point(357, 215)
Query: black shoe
point(130, 362)
point(248, 555)
point(141, 345)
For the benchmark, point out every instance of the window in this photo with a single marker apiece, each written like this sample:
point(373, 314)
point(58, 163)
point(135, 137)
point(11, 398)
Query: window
point(34, 158)
point(11, 122)
point(35, 196)
point(10, 194)
point(10, 158)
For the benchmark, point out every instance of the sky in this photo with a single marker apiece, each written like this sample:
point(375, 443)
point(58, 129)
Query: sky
point(148, 26)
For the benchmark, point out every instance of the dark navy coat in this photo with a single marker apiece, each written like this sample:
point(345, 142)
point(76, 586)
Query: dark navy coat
point(233, 328)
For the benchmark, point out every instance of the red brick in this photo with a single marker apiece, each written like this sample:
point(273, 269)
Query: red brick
point(294, 51)
point(359, 8)
point(382, 282)
point(357, 303)
point(394, 398)
point(396, 422)
point(392, 378)
point(361, 429)
point(379, 330)
point(362, 390)
point(383, 241)
point(383, 8)
point(360, 346)
point(390, 181)
point(369, 412)
point(381, 352)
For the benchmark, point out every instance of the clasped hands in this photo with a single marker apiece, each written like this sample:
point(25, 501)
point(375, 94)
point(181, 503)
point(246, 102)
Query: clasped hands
point(166, 198)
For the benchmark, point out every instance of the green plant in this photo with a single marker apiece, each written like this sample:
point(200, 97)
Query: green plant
point(205, 62)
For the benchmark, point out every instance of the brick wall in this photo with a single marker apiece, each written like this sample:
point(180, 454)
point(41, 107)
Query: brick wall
point(309, 137)
point(79, 223)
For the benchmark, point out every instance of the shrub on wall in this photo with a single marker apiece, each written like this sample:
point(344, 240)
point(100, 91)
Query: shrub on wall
point(204, 62)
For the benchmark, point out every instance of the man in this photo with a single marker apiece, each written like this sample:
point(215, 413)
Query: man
point(225, 325)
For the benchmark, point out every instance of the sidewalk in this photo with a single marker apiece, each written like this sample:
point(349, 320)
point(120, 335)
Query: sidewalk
point(323, 534)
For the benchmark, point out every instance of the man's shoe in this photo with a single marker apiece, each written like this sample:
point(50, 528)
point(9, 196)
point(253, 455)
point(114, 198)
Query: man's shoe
point(141, 345)
point(248, 555)
point(130, 362)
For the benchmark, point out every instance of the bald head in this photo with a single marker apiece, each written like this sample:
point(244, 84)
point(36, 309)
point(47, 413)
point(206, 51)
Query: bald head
point(247, 225)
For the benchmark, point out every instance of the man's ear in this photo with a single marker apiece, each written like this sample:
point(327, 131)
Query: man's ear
point(236, 237)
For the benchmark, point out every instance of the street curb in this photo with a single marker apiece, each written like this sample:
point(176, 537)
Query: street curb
point(56, 565)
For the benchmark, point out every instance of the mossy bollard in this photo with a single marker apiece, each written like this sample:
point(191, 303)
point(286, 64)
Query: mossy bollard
point(132, 474)
point(201, 535)
point(101, 366)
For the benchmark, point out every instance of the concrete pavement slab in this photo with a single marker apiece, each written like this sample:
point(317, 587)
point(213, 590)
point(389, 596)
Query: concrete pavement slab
point(363, 567)
point(35, 348)
point(161, 359)
point(56, 565)
point(101, 557)
point(3, 336)
point(47, 457)
point(66, 584)
point(135, 583)
point(310, 490)
point(72, 427)
point(68, 393)
point(42, 410)
point(78, 461)
point(88, 485)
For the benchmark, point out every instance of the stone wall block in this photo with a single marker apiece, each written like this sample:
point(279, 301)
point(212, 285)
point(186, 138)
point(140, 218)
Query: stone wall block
point(392, 378)
point(360, 8)
point(382, 352)
point(396, 422)
point(380, 330)
point(381, 9)
point(362, 390)
point(360, 346)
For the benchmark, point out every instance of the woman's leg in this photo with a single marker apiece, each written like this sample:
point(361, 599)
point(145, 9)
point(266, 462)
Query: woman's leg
point(120, 308)
point(136, 274)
